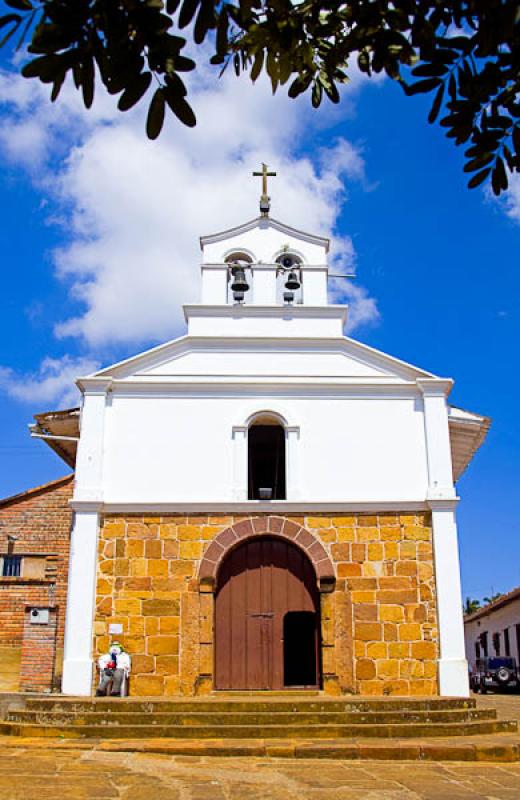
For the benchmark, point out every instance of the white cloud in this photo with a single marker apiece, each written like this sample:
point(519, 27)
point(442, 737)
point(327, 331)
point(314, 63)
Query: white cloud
point(511, 201)
point(53, 383)
point(133, 210)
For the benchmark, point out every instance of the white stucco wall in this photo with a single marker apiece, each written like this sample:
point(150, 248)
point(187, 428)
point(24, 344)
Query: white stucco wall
point(180, 448)
point(496, 621)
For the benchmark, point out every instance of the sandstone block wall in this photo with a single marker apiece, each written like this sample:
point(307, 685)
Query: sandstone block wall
point(379, 626)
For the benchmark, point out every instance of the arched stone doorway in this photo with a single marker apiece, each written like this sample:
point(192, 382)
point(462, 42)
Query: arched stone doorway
point(267, 617)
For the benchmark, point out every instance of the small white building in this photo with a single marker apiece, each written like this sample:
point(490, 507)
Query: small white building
point(494, 629)
point(264, 449)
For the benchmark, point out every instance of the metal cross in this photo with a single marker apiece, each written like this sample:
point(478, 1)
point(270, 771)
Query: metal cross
point(264, 199)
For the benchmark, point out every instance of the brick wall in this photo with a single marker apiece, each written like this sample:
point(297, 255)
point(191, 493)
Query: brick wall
point(379, 625)
point(41, 521)
point(38, 653)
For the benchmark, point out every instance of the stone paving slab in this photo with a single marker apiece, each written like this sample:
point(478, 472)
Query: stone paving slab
point(507, 706)
point(505, 748)
point(70, 773)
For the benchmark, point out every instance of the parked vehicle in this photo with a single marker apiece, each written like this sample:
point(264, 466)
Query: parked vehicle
point(498, 674)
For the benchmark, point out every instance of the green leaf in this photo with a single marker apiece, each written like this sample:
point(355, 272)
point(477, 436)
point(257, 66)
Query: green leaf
point(516, 139)
point(511, 161)
point(205, 21)
point(43, 67)
point(7, 20)
point(284, 68)
point(364, 62)
point(20, 5)
point(56, 89)
point(331, 92)
point(499, 177)
point(155, 118)
point(133, 93)
point(421, 86)
point(479, 162)
point(222, 42)
point(182, 109)
point(257, 65)
point(187, 12)
point(28, 22)
point(452, 87)
point(429, 70)
point(87, 81)
point(184, 64)
point(316, 94)
point(436, 105)
point(479, 178)
point(299, 85)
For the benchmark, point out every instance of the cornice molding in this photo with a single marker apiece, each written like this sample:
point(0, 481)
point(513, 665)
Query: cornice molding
point(435, 387)
point(264, 223)
point(253, 506)
point(247, 310)
point(264, 386)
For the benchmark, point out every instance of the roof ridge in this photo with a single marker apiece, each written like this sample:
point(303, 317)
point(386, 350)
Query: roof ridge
point(4, 501)
point(500, 601)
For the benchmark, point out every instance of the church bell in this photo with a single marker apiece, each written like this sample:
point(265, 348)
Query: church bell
point(240, 283)
point(292, 283)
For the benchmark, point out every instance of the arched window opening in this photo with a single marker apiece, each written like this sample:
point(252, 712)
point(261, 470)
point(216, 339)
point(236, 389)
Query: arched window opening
point(240, 276)
point(289, 279)
point(266, 460)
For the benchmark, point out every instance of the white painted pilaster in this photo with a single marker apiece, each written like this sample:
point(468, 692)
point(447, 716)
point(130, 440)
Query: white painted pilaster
point(438, 450)
point(453, 667)
point(89, 460)
point(214, 283)
point(240, 462)
point(264, 285)
point(77, 663)
point(293, 477)
point(314, 283)
point(88, 487)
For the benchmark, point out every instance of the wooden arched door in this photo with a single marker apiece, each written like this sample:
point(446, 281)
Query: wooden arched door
point(267, 621)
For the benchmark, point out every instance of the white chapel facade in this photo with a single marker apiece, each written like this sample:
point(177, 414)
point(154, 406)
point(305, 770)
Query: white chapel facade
point(265, 503)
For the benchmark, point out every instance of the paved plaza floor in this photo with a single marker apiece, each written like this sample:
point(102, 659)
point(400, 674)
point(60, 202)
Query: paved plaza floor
point(74, 774)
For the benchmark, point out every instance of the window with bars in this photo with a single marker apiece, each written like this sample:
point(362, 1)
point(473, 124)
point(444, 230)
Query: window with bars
point(11, 566)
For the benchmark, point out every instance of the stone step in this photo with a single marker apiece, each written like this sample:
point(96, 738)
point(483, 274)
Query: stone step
point(327, 731)
point(504, 748)
point(121, 716)
point(242, 704)
point(499, 750)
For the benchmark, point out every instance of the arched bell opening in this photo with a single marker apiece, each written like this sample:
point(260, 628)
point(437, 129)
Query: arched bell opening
point(267, 617)
point(266, 459)
point(289, 279)
point(240, 276)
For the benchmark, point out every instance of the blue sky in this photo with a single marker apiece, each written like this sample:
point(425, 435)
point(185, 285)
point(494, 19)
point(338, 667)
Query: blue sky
point(99, 250)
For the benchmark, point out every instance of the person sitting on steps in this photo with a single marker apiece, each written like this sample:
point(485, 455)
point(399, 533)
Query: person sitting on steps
point(114, 669)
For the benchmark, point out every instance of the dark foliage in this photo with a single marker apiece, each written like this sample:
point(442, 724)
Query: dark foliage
point(465, 53)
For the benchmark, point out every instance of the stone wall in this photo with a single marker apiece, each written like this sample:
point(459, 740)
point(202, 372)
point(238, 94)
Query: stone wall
point(40, 519)
point(379, 628)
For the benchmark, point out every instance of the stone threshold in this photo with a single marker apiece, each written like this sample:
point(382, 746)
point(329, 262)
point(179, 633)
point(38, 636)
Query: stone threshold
point(498, 749)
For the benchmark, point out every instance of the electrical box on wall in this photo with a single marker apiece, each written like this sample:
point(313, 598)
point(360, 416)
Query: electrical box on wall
point(39, 616)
